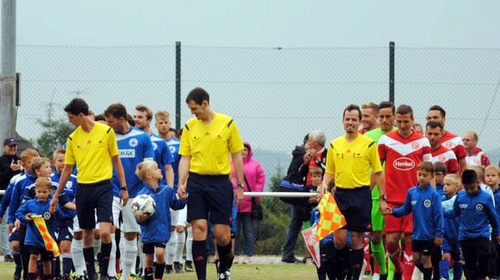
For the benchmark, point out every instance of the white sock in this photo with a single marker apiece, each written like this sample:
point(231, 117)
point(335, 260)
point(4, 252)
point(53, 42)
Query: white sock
point(129, 257)
point(189, 244)
point(77, 254)
point(112, 257)
point(179, 246)
point(142, 256)
point(97, 247)
point(170, 250)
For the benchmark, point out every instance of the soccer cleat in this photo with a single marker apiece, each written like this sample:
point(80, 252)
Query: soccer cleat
point(178, 267)
point(188, 266)
point(169, 269)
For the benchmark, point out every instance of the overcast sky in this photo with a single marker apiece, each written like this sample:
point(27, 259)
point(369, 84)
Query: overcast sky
point(264, 23)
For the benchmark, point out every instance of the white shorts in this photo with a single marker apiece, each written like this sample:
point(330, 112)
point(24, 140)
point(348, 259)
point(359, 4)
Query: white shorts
point(76, 224)
point(178, 217)
point(129, 224)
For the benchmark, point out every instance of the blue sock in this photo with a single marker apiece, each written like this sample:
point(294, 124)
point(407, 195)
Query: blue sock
point(457, 270)
point(444, 268)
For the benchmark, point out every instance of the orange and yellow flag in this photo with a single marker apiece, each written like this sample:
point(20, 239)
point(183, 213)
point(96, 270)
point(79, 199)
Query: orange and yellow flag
point(50, 243)
point(330, 217)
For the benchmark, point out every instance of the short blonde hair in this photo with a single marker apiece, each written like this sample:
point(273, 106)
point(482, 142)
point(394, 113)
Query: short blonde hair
point(454, 178)
point(60, 151)
point(494, 168)
point(28, 154)
point(43, 183)
point(144, 168)
point(162, 115)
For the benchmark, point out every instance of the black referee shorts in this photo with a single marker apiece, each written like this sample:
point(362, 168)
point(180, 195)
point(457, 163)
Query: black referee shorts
point(94, 196)
point(356, 206)
point(210, 194)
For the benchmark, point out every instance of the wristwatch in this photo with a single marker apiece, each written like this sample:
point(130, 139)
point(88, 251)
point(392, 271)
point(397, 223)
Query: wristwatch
point(383, 197)
point(241, 185)
point(123, 188)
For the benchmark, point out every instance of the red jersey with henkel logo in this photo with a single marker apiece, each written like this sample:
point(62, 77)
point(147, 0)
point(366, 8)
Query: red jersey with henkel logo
point(454, 142)
point(402, 156)
point(447, 157)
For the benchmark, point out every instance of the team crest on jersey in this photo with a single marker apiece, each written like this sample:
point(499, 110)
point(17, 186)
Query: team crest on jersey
point(427, 158)
point(427, 203)
point(448, 144)
point(69, 185)
point(172, 149)
point(133, 142)
point(47, 215)
point(155, 146)
point(442, 158)
point(415, 145)
point(479, 207)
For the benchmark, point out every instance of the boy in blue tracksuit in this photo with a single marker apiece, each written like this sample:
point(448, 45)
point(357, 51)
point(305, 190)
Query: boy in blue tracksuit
point(492, 178)
point(155, 230)
point(476, 211)
point(451, 244)
point(33, 239)
point(428, 225)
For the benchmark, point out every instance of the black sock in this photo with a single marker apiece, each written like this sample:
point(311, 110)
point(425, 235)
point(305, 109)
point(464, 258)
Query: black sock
point(421, 267)
point(47, 277)
point(200, 258)
point(225, 257)
point(25, 259)
point(159, 269)
point(105, 252)
point(356, 262)
point(427, 273)
point(56, 267)
point(148, 273)
point(31, 276)
point(88, 255)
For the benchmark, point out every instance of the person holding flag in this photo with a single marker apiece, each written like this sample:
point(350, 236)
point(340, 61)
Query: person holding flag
point(39, 237)
point(348, 161)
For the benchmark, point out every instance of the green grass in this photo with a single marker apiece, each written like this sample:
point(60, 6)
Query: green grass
point(238, 272)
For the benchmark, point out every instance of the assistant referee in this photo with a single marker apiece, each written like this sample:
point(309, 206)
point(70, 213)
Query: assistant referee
point(92, 147)
point(206, 143)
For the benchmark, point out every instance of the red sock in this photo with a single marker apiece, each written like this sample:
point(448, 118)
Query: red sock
point(367, 256)
point(375, 268)
point(408, 262)
point(395, 256)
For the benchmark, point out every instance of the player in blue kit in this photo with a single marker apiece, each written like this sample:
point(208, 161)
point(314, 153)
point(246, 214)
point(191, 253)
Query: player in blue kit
point(134, 147)
point(155, 231)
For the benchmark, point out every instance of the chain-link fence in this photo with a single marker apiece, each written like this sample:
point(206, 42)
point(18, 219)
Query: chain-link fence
point(276, 95)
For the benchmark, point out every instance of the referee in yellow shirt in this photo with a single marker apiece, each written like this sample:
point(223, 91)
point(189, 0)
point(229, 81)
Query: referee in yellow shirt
point(348, 161)
point(92, 147)
point(207, 141)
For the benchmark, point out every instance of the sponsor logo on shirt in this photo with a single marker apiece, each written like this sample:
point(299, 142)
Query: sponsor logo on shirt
point(415, 145)
point(463, 206)
point(403, 163)
point(127, 153)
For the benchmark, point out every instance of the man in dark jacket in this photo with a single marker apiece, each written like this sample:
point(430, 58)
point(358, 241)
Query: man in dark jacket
point(9, 166)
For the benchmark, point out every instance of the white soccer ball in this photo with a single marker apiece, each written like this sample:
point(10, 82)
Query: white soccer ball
point(143, 204)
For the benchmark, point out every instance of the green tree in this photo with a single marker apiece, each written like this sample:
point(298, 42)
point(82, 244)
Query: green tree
point(55, 133)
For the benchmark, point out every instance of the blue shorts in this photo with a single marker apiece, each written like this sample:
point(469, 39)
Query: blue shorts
point(450, 246)
point(149, 248)
point(94, 196)
point(356, 206)
point(210, 196)
point(64, 230)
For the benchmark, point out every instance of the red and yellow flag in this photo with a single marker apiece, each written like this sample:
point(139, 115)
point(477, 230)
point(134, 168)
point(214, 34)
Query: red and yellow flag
point(330, 217)
point(50, 243)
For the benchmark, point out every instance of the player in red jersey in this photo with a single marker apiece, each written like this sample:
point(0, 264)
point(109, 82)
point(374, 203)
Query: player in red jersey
point(434, 132)
point(449, 140)
point(402, 151)
point(474, 154)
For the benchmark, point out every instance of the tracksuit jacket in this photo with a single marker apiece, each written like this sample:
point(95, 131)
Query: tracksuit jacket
point(157, 228)
point(451, 225)
point(425, 204)
point(476, 212)
point(35, 207)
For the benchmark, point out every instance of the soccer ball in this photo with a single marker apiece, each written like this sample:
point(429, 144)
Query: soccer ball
point(143, 204)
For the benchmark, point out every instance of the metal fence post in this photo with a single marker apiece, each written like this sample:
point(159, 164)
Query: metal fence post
point(177, 85)
point(391, 72)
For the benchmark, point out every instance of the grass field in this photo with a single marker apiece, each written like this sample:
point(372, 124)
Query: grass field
point(238, 272)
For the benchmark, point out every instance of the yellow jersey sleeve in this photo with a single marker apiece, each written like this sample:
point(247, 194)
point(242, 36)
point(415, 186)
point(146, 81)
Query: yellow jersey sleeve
point(112, 144)
point(185, 149)
point(69, 158)
point(234, 139)
point(330, 160)
point(374, 158)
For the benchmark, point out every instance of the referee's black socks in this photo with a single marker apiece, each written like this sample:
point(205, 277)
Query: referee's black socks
point(200, 258)
point(356, 262)
point(88, 255)
point(225, 257)
point(105, 252)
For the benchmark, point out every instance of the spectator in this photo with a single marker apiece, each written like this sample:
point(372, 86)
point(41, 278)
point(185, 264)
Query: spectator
point(255, 180)
point(9, 166)
point(473, 154)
